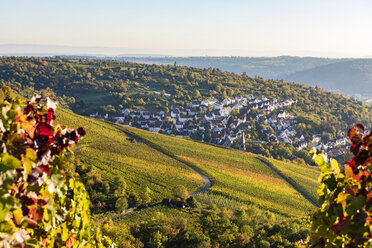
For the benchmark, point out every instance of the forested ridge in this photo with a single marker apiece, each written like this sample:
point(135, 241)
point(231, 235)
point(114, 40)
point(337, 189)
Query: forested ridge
point(342, 75)
point(87, 86)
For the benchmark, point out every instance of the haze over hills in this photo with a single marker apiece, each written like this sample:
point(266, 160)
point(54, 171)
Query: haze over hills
point(348, 76)
point(58, 50)
point(353, 77)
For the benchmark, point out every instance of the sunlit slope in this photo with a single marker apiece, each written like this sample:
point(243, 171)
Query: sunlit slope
point(235, 174)
point(107, 149)
point(304, 177)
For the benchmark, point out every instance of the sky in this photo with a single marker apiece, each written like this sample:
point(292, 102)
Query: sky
point(325, 28)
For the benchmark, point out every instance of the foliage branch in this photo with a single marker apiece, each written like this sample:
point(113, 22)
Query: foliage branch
point(38, 208)
point(344, 218)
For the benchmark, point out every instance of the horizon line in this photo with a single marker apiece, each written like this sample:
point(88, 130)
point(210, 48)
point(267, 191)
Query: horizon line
point(157, 52)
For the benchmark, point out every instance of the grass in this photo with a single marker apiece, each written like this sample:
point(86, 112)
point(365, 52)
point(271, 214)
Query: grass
point(237, 175)
point(108, 151)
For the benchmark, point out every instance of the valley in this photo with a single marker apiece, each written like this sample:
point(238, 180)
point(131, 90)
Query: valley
point(180, 154)
point(185, 124)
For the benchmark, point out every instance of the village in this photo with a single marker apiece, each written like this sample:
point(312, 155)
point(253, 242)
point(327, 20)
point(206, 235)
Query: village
point(230, 121)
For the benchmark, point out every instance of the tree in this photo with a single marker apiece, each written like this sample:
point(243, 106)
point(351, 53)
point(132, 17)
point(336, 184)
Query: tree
point(146, 196)
point(224, 95)
point(210, 108)
point(181, 192)
point(197, 93)
point(133, 200)
point(192, 202)
point(121, 204)
point(119, 186)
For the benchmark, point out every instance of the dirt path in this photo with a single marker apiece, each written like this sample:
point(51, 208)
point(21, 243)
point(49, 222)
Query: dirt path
point(78, 149)
point(289, 182)
point(206, 179)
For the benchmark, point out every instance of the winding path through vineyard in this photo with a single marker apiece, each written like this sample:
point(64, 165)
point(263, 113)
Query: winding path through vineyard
point(207, 181)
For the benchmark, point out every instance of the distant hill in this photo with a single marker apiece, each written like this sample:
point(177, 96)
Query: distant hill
point(345, 76)
point(266, 67)
point(351, 77)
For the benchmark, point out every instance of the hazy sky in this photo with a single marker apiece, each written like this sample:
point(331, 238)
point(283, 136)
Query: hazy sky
point(334, 28)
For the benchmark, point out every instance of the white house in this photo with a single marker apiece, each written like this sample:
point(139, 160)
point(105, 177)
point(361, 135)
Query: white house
point(179, 125)
point(175, 113)
point(125, 111)
point(209, 117)
point(209, 101)
point(316, 138)
point(194, 104)
point(284, 137)
point(302, 145)
point(94, 115)
point(217, 105)
point(283, 115)
point(146, 115)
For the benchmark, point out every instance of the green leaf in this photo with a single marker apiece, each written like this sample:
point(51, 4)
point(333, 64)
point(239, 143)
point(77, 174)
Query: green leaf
point(342, 198)
point(7, 227)
point(355, 204)
point(322, 190)
point(10, 162)
point(4, 210)
point(32, 243)
point(31, 154)
point(28, 160)
point(319, 160)
point(64, 231)
point(331, 182)
point(18, 216)
point(335, 166)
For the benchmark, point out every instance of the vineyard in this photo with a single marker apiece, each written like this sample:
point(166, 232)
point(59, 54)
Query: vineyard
point(240, 176)
point(302, 176)
point(243, 186)
point(111, 154)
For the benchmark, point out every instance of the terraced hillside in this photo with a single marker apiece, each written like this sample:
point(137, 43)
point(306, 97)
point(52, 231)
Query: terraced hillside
point(240, 176)
point(237, 176)
point(108, 151)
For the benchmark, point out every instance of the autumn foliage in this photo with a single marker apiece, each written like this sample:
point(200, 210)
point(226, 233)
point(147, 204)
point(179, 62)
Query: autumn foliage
point(344, 218)
point(38, 208)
